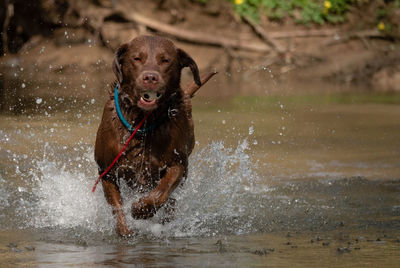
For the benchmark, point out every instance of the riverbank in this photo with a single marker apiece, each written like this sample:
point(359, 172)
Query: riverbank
point(347, 55)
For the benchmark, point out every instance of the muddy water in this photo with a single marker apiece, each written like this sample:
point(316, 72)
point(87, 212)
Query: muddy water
point(273, 181)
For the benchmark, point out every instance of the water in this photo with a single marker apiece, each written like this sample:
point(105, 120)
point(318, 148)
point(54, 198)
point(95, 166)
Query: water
point(272, 182)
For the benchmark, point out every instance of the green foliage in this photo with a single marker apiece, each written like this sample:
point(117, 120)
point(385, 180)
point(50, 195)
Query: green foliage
point(303, 11)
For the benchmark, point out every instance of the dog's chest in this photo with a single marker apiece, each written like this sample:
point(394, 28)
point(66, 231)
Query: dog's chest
point(144, 163)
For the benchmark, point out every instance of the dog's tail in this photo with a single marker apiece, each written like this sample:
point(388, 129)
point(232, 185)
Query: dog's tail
point(192, 87)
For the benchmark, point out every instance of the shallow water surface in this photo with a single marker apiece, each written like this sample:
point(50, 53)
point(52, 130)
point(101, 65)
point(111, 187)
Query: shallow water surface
point(272, 182)
point(333, 249)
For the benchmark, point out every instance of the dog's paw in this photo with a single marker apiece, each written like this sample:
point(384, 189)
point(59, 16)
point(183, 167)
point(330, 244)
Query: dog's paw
point(124, 231)
point(142, 210)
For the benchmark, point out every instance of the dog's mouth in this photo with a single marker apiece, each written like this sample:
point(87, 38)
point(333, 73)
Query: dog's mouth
point(148, 100)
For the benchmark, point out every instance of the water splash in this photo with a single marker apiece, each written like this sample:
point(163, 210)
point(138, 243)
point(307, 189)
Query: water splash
point(4, 195)
point(223, 195)
point(211, 201)
point(64, 200)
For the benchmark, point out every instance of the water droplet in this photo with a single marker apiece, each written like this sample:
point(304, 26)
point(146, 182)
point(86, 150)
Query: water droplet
point(21, 189)
point(23, 85)
point(251, 130)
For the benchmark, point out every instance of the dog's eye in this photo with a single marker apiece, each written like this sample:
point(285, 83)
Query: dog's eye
point(164, 60)
point(137, 59)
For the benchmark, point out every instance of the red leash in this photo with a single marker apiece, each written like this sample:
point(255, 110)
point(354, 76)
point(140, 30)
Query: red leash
point(120, 153)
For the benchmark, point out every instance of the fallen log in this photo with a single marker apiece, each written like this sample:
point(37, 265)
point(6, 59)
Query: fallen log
point(195, 37)
point(237, 44)
point(304, 33)
point(345, 37)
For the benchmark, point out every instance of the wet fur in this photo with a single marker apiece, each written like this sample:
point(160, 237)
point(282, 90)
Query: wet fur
point(156, 162)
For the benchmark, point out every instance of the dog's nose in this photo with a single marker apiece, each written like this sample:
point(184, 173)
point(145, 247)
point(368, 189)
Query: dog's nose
point(150, 78)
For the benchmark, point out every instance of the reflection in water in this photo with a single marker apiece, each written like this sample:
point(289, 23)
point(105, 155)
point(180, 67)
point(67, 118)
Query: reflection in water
point(344, 247)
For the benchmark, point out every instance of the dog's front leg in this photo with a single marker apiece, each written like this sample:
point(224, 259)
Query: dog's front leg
point(113, 197)
point(147, 206)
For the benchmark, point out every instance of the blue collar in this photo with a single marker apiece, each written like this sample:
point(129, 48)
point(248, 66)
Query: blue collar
point(130, 127)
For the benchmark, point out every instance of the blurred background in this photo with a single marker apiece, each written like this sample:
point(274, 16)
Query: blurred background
point(64, 48)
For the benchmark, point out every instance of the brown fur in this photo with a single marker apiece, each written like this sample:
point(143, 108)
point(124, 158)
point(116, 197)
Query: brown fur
point(154, 162)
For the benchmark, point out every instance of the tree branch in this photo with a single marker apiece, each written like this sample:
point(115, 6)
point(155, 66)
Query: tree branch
point(264, 35)
point(195, 37)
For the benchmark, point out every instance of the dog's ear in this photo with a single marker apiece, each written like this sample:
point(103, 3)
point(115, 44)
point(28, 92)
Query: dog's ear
point(116, 66)
point(186, 61)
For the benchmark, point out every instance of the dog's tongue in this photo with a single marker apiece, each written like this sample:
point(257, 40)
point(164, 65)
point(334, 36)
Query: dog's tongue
point(147, 102)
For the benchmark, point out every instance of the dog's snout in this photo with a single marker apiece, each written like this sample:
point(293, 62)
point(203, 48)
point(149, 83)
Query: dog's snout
point(150, 78)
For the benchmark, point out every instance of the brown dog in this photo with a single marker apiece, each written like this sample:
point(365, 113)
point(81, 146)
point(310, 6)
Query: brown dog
point(148, 71)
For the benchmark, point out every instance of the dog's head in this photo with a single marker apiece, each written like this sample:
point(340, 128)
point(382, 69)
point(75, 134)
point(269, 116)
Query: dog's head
point(148, 69)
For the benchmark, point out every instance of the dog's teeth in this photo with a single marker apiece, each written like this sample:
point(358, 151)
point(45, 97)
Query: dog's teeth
point(150, 96)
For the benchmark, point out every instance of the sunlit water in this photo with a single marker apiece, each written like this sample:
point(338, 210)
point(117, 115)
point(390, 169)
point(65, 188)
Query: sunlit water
point(271, 182)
